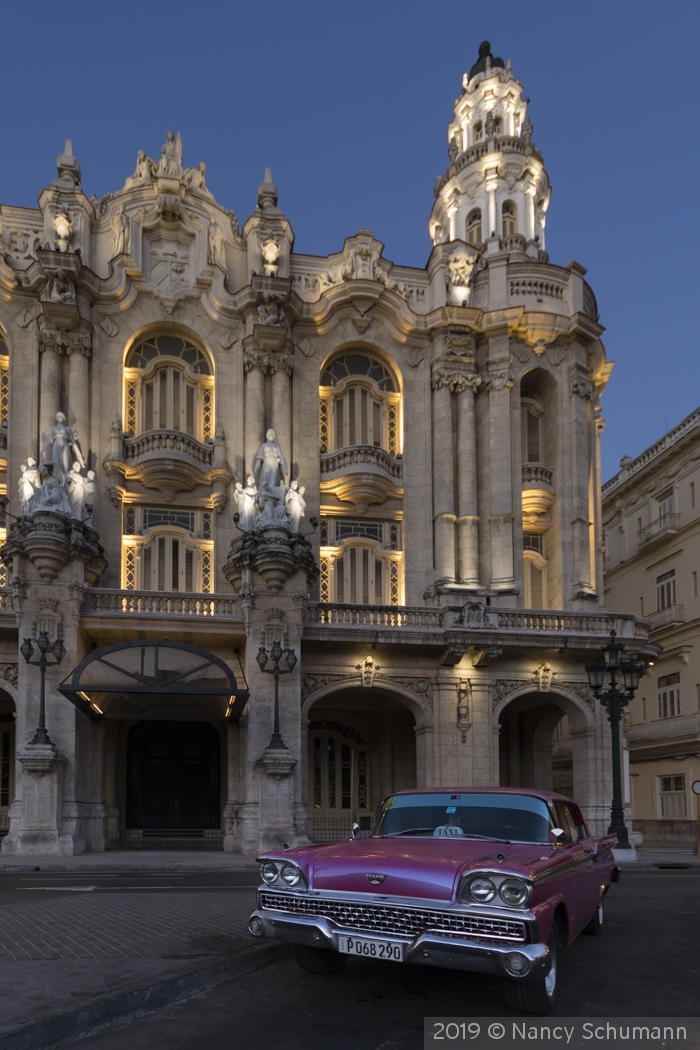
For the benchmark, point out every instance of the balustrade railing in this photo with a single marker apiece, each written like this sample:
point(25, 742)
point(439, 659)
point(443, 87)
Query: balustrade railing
point(170, 603)
point(515, 242)
point(373, 615)
point(663, 728)
point(166, 441)
point(665, 617)
point(361, 456)
point(665, 523)
point(537, 474)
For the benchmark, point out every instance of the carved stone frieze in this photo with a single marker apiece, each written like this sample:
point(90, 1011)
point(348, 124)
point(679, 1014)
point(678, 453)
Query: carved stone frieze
point(456, 381)
point(422, 687)
point(65, 342)
point(268, 361)
point(9, 673)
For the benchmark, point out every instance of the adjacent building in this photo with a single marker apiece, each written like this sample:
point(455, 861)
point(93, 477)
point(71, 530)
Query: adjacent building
point(217, 450)
point(651, 516)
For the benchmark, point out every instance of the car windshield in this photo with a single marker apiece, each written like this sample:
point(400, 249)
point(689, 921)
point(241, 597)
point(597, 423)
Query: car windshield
point(508, 817)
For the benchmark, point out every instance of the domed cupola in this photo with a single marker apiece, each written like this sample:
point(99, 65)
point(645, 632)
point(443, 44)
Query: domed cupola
point(495, 192)
point(485, 59)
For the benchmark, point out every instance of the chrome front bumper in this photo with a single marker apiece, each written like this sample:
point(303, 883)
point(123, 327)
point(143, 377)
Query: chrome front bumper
point(428, 949)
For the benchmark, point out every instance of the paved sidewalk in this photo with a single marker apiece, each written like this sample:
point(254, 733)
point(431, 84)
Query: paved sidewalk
point(79, 951)
point(134, 860)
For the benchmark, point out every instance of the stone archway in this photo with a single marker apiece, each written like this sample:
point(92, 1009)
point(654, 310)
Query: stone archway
point(378, 731)
point(525, 722)
point(7, 756)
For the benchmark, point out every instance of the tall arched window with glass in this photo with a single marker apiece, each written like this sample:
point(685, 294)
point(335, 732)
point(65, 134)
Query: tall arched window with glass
point(168, 385)
point(338, 779)
point(474, 227)
point(167, 549)
point(360, 404)
point(509, 219)
point(361, 562)
point(4, 425)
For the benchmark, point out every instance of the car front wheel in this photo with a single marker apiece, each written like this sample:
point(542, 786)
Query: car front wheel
point(537, 998)
point(318, 960)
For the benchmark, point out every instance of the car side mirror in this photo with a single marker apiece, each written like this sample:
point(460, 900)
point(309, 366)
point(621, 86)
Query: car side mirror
point(557, 837)
point(355, 829)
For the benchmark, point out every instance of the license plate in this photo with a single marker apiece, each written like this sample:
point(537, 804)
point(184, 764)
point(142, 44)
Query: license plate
point(371, 949)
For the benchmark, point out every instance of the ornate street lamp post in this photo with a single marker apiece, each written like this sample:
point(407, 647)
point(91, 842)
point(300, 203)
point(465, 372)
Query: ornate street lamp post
point(614, 699)
point(277, 652)
point(27, 650)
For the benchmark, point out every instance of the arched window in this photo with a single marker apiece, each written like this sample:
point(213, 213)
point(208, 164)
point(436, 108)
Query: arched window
point(535, 564)
point(338, 778)
point(361, 562)
point(167, 549)
point(169, 386)
point(474, 227)
point(532, 415)
point(509, 219)
point(360, 404)
point(478, 131)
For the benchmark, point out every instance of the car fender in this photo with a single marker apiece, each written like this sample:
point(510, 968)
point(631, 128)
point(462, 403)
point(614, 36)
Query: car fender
point(544, 912)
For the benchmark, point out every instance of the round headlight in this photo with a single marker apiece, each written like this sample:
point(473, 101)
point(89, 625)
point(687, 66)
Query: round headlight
point(269, 871)
point(514, 892)
point(482, 890)
point(291, 875)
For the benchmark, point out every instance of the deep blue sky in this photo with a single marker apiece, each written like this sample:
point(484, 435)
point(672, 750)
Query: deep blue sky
point(348, 102)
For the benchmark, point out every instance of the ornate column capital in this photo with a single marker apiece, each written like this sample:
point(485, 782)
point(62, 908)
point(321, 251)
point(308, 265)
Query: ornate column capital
point(65, 342)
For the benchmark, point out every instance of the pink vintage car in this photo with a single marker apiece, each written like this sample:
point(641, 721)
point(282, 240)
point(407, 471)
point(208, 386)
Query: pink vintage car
point(495, 880)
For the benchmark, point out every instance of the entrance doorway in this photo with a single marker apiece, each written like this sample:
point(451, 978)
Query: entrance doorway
point(173, 783)
point(7, 760)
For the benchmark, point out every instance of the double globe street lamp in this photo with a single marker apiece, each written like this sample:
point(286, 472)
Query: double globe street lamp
point(59, 651)
point(276, 652)
point(617, 672)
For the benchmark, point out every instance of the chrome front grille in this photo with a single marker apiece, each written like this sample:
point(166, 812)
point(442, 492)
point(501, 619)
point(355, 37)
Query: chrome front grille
point(389, 919)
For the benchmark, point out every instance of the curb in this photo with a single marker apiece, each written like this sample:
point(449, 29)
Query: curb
point(65, 1028)
point(116, 869)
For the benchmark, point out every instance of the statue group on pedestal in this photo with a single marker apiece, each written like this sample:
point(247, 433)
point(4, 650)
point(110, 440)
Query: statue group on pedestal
point(265, 499)
point(57, 483)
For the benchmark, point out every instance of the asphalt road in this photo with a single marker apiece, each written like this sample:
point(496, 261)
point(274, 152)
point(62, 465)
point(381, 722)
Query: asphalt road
point(644, 964)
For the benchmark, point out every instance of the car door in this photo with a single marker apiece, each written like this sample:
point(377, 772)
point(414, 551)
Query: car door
point(592, 871)
point(579, 868)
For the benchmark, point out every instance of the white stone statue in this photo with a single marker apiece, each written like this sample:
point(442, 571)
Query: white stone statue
point(270, 309)
point(29, 485)
point(247, 503)
point(171, 157)
point(216, 245)
point(61, 445)
point(63, 228)
point(145, 171)
point(75, 489)
point(295, 505)
point(51, 495)
point(89, 489)
point(120, 233)
point(270, 250)
point(59, 288)
point(270, 467)
point(195, 178)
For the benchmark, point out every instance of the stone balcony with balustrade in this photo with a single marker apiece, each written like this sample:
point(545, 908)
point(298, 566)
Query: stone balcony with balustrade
point(665, 729)
point(671, 616)
point(665, 525)
point(170, 461)
point(198, 618)
point(362, 475)
point(537, 493)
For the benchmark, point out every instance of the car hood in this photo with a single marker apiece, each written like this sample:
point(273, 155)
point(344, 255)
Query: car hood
point(412, 867)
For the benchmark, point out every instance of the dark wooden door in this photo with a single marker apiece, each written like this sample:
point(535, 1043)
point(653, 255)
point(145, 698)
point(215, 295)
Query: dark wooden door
point(173, 776)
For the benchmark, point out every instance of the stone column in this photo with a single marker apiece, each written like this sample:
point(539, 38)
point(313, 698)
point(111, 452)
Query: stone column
point(581, 472)
point(254, 413)
point(491, 187)
point(467, 509)
point(281, 412)
point(501, 517)
point(78, 407)
point(50, 347)
point(443, 480)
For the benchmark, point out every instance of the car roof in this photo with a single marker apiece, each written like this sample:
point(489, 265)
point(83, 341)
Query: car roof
point(533, 792)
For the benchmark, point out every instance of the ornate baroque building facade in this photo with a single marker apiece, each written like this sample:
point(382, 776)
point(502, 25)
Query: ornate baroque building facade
point(422, 527)
point(651, 516)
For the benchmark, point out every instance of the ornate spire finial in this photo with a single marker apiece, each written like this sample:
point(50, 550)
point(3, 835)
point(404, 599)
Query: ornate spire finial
point(67, 165)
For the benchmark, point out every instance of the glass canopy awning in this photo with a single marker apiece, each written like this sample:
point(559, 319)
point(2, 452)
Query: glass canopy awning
point(155, 680)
